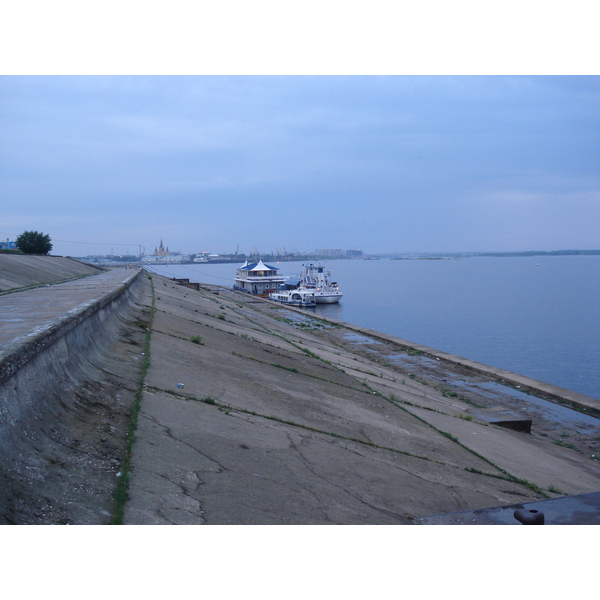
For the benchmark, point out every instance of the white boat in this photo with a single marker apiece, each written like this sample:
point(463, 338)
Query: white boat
point(257, 278)
point(296, 297)
point(315, 279)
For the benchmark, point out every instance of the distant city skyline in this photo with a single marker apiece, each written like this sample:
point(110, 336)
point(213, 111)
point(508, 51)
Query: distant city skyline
point(378, 163)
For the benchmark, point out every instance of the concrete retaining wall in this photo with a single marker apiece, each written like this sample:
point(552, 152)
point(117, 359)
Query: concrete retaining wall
point(35, 375)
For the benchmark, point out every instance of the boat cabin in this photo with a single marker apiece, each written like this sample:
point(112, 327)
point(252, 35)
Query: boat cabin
point(258, 278)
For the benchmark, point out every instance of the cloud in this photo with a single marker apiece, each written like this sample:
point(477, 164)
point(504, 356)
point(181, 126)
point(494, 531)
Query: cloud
point(375, 162)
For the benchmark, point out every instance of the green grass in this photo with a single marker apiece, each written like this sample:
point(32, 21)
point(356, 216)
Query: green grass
point(292, 369)
point(564, 444)
point(464, 417)
point(505, 474)
point(121, 494)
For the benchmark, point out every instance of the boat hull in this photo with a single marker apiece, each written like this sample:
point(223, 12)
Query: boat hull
point(298, 303)
point(328, 299)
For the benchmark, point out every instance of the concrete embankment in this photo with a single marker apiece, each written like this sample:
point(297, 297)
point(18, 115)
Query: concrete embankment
point(69, 357)
point(19, 271)
point(253, 413)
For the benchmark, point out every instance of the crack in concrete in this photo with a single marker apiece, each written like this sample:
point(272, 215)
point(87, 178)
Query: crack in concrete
point(168, 431)
point(339, 487)
point(163, 501)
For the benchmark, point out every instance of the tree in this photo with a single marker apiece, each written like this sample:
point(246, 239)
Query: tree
point(34, 242)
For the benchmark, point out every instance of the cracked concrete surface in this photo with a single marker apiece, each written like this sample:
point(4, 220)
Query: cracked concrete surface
point(281, 418)
point(286, 421)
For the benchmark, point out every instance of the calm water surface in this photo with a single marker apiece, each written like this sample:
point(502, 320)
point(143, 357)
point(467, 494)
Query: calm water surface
point(537, 316)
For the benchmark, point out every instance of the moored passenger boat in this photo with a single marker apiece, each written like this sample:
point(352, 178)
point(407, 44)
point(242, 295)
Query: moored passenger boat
point(315, 279)
point(258, 278)
point(297, 297)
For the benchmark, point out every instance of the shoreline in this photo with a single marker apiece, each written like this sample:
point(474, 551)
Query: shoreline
point(564, 396)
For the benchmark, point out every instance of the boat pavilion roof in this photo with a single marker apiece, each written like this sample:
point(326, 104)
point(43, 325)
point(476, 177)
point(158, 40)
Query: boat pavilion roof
point(259, 266)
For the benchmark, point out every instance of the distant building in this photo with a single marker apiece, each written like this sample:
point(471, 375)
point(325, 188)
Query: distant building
point(8, 245)
point(164, 260)
point(354, 253)
point(328, 253)
point(206, 257)
point(162, 256)
point(161, 250)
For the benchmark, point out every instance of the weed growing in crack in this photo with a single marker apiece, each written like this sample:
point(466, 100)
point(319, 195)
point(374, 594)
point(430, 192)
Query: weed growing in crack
point(564, 444)
point(121, 494)
point(292, 369)
point(464, 417)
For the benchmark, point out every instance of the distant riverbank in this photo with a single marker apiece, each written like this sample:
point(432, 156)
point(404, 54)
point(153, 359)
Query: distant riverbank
point(240, 258)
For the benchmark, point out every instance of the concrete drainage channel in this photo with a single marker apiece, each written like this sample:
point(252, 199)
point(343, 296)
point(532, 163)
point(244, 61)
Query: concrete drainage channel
point(66, 392)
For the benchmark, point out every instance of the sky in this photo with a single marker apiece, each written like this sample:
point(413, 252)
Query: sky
point(215, 146)
point(264, 163)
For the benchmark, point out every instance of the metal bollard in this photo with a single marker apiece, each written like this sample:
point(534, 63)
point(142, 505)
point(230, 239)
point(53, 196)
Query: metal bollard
point(529, 517)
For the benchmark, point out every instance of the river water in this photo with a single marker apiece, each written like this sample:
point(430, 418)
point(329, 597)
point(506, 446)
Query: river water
point(537, 316)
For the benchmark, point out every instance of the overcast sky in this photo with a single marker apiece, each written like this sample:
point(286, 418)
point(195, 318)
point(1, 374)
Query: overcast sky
point(380, 163)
